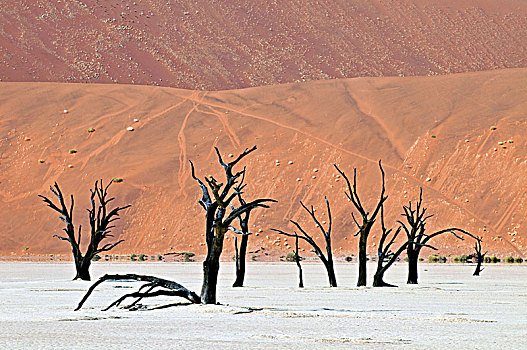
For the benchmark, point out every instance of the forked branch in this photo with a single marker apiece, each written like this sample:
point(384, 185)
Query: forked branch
point(169, 288)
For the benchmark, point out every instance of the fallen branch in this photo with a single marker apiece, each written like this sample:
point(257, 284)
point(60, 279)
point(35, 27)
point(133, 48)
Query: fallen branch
point(174, 289)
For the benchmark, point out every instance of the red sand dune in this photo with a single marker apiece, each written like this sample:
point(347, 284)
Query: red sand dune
point(217, 45)
point(475, 183)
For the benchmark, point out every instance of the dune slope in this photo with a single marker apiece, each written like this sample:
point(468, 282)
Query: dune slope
point(430, 132)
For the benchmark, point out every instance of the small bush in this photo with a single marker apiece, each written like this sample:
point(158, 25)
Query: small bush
point(492, 259)
point(188, 255)
point(518, 260)
point(436, 259)
point(41, 161)
point(349, 258)
point(290, 256)
point(97, 257)
point(117, 179)
point(91, 130)
point(72, 151)
point(509, 260)
point(133, 257)
point(142, 257)
point(460, 259)
point(160, 257)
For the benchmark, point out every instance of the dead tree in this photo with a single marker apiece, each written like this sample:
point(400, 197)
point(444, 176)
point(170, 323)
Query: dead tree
point(165, 287)
point(297, 260)
point(219, 219)
point(417, 237)
point(385, 256)
point(479, 256)
point(100, 218)
point(367, 219)
point(244, 233)
point(327, 259)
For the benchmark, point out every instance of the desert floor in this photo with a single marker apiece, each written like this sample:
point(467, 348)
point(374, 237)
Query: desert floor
point(448, 309)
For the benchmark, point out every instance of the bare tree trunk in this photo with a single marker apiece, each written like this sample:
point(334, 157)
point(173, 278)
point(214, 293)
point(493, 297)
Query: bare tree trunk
point(362, 259)
point(297, 259)
point(211, 267)
point(378, 279)
point(240, 262)
point(82, 265)
point(300, 278)
point(413, 259)
point(331, 274)
point(479, 256)
point(210, 281)
point(478, 268)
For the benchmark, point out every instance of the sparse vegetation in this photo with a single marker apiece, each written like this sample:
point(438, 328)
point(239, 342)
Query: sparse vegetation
point(188, 256)
point(492, 259)
point(460, 259)
point(436, 259)
point(290, 257)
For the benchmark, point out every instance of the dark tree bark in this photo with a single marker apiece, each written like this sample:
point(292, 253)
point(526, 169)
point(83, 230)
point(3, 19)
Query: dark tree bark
point(218, 218)
point(240, 259)
point(327, 259)
point(243, 219)
point(480, 257)
point(297, 260)
point(413, 259)
point(367, 219)
point(167, 287)
point(100, 218)
point(385, 256)
point(417, 237)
